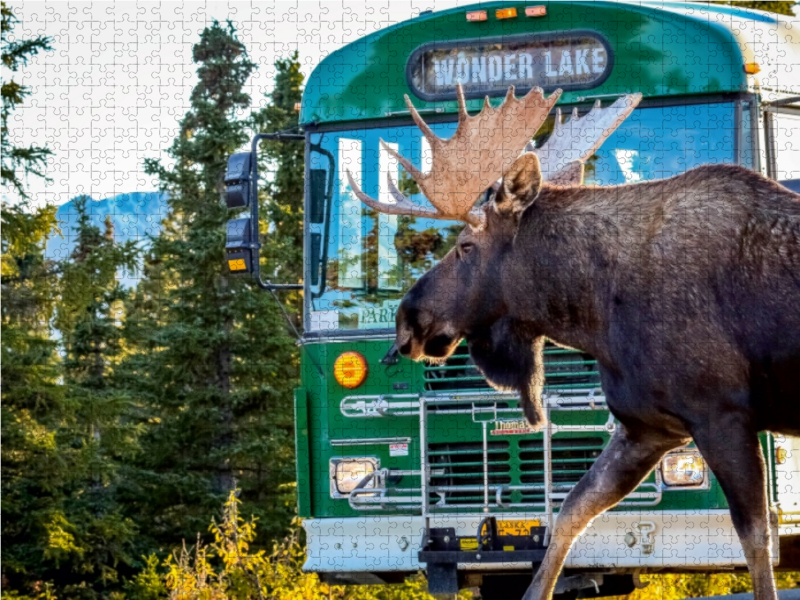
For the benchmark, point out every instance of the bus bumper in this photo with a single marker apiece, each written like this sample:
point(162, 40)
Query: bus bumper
point(616, 540)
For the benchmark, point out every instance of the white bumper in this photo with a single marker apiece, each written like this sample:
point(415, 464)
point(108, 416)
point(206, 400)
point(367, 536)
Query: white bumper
point(391, 543)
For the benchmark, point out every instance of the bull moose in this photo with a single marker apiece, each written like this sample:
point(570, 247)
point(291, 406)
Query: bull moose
point(686, 291)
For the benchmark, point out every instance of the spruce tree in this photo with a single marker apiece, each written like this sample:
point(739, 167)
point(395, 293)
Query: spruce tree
point(34, 466)
point(101, 433)
point(17, 161)
point(283, 173)
point(67, 436)
point(212, 354)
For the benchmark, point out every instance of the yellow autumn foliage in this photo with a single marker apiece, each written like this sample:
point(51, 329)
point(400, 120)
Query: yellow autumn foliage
point(228, 569)
point(242, 574)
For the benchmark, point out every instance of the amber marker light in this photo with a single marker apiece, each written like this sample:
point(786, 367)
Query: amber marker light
point(476, 15)
point(350, 369)
point(237, 264)
point(751, 68)
point(780, 455)
point(506, 13)
point(535, 11)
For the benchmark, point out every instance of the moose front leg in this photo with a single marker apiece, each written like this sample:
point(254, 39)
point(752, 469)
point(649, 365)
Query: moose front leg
point(730, 446)
point(619, 469)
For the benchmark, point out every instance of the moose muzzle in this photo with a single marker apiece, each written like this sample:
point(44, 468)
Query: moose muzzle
point(420, 336)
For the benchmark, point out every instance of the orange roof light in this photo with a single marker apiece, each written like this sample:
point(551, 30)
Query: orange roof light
point(476, 15)
point(350, 370)
point(505, 13)
point(751, 68)
point(536, 11)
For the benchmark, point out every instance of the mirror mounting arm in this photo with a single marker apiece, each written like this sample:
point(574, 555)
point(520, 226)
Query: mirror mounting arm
point(254, 227)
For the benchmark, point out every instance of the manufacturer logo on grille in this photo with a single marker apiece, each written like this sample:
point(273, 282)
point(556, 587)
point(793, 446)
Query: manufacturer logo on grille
point(515, 427)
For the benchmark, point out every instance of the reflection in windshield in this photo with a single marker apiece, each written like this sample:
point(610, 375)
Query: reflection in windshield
point(373, 259)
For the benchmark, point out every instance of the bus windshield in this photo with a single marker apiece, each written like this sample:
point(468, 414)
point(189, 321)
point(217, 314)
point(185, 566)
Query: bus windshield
point(360, 263)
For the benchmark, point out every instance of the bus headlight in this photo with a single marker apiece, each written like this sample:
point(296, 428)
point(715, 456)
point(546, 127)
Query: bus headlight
point(347, 473)
point(683, 468)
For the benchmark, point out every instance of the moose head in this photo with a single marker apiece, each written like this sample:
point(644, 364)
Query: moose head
point(489, 157)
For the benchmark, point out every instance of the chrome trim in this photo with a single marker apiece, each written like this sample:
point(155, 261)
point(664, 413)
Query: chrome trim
point(597, 97)
point(356, 407)
point(484, 410)
point(407, 405)
point(547, 467)
point(425, 469)
point(422, 111)
point(485, 467)
point(340, 338)
point(366, 441)
point(377, 498)
point(335, 493)
point(664, 486)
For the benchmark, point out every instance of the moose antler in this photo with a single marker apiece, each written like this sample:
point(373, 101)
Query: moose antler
point(577, 139)
point(479, 153)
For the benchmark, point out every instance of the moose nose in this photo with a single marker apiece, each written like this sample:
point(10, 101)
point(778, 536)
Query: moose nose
point(404, 332)
point(413, 318)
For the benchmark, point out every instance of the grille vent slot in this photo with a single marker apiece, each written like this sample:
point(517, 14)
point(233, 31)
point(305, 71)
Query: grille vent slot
point(457, 468)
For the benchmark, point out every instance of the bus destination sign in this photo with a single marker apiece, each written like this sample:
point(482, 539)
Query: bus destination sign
point(572, 60)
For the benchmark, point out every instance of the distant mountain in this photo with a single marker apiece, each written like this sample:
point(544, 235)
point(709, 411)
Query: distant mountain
point(135, 216)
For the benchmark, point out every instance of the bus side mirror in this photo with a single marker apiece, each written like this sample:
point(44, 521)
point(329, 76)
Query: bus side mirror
point(242, 238)
point(237, 181)
point(241, 251)
point(239, 247)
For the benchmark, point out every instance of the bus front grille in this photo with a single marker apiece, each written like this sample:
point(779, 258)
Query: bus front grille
point(572, 457)
point(515, 469)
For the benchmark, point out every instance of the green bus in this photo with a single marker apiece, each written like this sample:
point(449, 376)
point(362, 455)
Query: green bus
point(405, 466)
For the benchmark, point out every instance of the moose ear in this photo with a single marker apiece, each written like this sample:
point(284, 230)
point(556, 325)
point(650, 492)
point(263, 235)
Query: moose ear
point(521, 184)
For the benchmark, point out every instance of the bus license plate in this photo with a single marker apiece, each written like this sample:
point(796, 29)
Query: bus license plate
point(516, 528)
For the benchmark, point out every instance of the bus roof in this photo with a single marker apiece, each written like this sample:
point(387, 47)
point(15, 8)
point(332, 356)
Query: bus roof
point(659, 49)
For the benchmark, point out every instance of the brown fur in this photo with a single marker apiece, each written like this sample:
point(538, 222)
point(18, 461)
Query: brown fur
point(686, 290)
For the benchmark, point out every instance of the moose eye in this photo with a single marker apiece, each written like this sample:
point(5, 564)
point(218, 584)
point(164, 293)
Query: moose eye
point(466, 247)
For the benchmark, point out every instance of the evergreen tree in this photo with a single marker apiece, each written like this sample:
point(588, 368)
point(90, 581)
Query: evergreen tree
point(212, 356)
point(34, 471)
point(66, 435)
point(34, 468)
point(283, 173)
point(17, 160)
point(100, 434)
